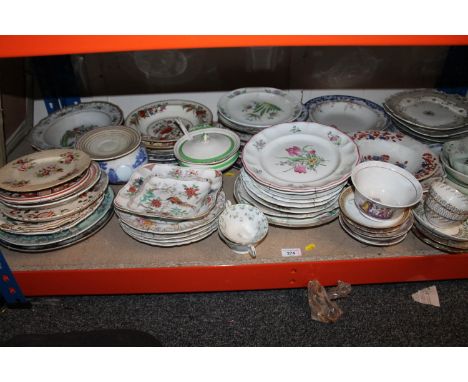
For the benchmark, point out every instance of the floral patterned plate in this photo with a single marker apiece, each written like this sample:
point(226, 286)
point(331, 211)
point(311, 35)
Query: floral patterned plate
point(168, 227)
point(157, 121)
point(44, 169)
point(399, 149)
point(49, 242)
point(62, 128)
point(61, 191)
point(347, 113)
point(72, 207)
point(259, 107)
point(300, 157)
point(429, 108)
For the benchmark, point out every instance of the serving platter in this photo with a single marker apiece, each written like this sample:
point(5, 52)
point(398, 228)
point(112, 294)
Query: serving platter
point(259, 107)
point(429, 108)
point(63, 128)
point(300, 157)
point(347, 113)
point(398, 149)
point(43, 169)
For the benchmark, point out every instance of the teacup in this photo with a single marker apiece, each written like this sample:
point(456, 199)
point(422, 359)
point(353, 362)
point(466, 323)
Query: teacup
point(242, 227)
point(445, 206)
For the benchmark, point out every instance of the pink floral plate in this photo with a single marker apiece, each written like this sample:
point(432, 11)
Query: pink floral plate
point(398, 149)
point(43, 169)
point(300, 157)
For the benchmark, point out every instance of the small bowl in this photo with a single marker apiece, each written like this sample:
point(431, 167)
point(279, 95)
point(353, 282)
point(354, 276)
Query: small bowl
point(117, 149)
point(384, 190)
point(445, 206)
point(242, 227)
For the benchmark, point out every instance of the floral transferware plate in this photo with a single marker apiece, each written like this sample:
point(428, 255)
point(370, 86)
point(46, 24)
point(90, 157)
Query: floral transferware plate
point(259, 107)
point(72, 207)
point(45, 228)
point(61, 191)
point(107, 143)
point(44, 169)
point(44, 242)
point(170, 192)
point(207, 146)
point(429, 108)
point(63, 128)
point(398, 149)
point(157, 121)
point(168, 227)
point(347, 113)
point(300, 157)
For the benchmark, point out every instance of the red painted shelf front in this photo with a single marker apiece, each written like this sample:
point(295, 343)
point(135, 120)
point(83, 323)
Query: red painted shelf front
point(41, 45)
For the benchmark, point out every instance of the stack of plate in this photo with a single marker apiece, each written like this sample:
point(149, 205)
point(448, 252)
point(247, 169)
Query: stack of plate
point(294, 173)
point(52, 199)
point(158, 123)
point(248, 111)
point(348, 114)
point(446, 239)
point(139, 205)
point(371, 231)
point(213, 148)
point(429, 115)
point(454, 158)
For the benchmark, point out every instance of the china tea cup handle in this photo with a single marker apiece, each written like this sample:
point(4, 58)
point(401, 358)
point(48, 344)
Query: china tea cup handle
point(252, 251)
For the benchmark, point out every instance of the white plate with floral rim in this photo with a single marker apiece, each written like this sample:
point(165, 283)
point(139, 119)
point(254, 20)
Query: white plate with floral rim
point(62, 128)
point(207, 146)
point(61, 191)
point(74, 206)
point(110, 142)
point(259, 107)
point(348, 208)
point(44, 169)
point(455, 233)
point(300, 157)
point(45, 228)
point(157, 121)
point(429, 108)
point(398, 149)
point(347, 113)
point(41, 242)
point(169, 227)
point(310, 201)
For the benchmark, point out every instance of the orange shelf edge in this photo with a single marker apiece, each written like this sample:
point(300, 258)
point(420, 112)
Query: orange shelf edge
point(43, 45)
point(241, 277)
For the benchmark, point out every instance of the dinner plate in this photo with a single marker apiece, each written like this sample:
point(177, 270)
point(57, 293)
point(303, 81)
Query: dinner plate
point(300, 157)
point(83, 182)
point(157, 123)
point(398, 149)
point(37, 215)
point(429, 108)
point(347, 113)
point(63, 128)
point(43, 169)
point(259, 107)
point(39, 241)
point(169, 227)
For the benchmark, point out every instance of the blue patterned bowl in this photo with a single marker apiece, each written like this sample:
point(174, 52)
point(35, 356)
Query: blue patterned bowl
point(120, 170)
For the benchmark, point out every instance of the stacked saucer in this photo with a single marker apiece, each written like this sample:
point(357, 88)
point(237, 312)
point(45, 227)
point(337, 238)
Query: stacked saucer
point(429, 115)
point(168, 206)
point(52, 199)
point(371, 231)
point(454, 159)
point(213, 148)
point(158, 123)
point(294, 173)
